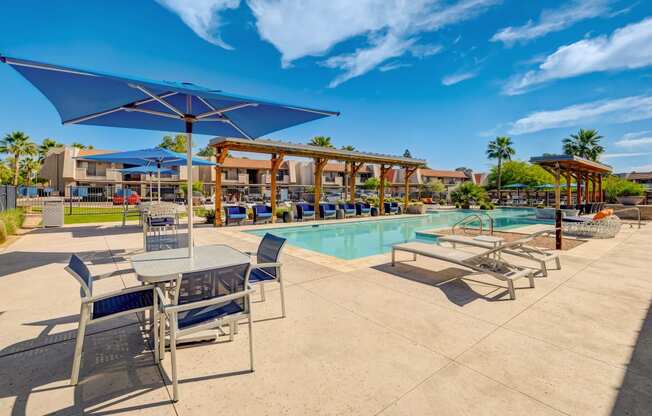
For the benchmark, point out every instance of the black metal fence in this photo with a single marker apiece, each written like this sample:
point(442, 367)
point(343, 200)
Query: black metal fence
point(7, 197)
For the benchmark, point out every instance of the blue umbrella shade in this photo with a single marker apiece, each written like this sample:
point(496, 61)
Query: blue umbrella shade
point(156, 157)
point(516, 186)
point(104, 99)
point(146, 170)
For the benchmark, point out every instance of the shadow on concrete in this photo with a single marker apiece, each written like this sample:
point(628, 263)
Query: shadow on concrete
point(635, 392)
point(116, 370)
point(20, 261)
point(91, 230)
point(452, 281)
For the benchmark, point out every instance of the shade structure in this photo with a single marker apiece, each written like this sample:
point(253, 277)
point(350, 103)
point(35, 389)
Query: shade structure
point(105, 99)
point(149, 170)
point(516, 186)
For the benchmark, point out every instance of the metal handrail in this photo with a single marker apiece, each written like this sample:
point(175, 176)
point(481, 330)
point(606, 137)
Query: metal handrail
point(638, 211)
point(463, 220)
point(491, 223)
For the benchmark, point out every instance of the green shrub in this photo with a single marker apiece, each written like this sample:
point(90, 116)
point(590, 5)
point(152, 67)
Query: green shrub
point(280, 211)
point(615, 187)
point(372, 200)
point(209, 214)
point(13, 219)
point(468, 192)
point(442, 202)
point(487, 205)
point(3, 232)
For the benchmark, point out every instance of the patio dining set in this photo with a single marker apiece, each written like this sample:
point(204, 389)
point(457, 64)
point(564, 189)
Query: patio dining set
point(183, 297)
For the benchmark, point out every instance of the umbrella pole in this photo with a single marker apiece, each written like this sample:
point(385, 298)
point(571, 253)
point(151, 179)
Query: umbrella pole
point(158, 175)
point(189, 190)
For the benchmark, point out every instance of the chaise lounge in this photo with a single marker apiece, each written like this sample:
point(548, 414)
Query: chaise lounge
point(327, 211)
point(348, 208)
point(487, 262)
point(305, 211)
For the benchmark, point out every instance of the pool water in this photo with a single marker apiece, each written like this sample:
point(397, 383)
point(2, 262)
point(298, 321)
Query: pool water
point(354, 240)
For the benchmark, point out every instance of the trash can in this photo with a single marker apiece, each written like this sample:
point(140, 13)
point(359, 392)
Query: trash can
point(53, 213)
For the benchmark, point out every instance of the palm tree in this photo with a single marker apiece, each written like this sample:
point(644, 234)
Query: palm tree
point(81, 145)
point(45, 147)
point(29, 166)
point(500, 149)
point(586, 144)
point(17, 144)
point(348, 147)
point(323, 141)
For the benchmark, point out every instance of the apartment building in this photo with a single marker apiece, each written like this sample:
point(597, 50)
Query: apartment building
point(450, 178)
point(334, 174)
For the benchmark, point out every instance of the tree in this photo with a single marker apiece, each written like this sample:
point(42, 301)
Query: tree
point(17, 144)
point(5, 173)
point(45, 147)
point(407, 153)
point(433, 186)
point(81, 145)
point(176, 144)
point(500, 149)
point(348, 147)
point(468, 172)
point(467, 193)
point(585, 143)
point(516, 171)
point(208, 151)
point(323, 141)
point(29, 167)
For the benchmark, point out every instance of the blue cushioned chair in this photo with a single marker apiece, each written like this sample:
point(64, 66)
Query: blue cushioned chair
point(363, 209)
point(98, 308)
point(268, 267)
point(262, 213)
point(327, 211)
point(305, 211)
point(391, 207)
point(204, 300)
point(235, 214)
point(348, 208)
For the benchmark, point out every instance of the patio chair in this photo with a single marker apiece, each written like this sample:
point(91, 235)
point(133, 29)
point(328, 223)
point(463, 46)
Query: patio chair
point(606, 227)
point(391, 208)
point(363, 209)
point(487, 262)
point(327, 211)
point(519, 248)
point(235, 214)
point(305, 211)
point(348, 208)
point(267, 265)
point(99, 308)
point(204, 300)
point(262, 213)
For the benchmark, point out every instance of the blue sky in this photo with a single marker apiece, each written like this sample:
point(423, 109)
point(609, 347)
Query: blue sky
point(437, 77)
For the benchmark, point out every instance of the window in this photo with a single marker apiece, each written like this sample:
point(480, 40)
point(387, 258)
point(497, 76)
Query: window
point(330, 176)
point(231, 174)
point(280, 174)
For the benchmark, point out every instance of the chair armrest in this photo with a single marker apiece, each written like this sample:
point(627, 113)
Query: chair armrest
point(265, 265)
point(208, 302)
point(117, 293)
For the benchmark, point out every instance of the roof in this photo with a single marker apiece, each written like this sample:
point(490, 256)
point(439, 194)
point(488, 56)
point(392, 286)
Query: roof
point(244, 163)
point(639, 175)
point(90, 152)
point(306, 150)
point(442, 173)
point(478, 177)
point(570, 162)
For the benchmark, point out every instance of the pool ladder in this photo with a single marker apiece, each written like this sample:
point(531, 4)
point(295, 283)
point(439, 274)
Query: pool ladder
point(464, 222)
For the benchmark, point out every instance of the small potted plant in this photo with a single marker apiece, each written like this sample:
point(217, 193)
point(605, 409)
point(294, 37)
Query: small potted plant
point(631, 193)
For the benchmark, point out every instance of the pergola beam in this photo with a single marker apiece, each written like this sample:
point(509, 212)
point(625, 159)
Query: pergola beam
point(277, 159)
point(221, 155)
point(319, 170)
point(381, 197)
point(406, 198)
point(355, 168)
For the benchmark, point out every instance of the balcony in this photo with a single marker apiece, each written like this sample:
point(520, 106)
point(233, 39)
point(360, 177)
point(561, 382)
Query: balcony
point(100, 174)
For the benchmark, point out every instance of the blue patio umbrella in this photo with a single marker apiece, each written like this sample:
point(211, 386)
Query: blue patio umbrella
point(149, 170)
point(155, 158)
point(104, 99)
point(517, 186)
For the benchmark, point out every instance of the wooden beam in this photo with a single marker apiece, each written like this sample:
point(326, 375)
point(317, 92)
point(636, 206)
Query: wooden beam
point(319, 170)
point(221, 156)
point(381, 197)
point(406, 198)
point(600, 193)
point(355, 167)
point(578, 184)
point(586, 189)
point(569, 190)
point(593, 183)
point(277, 159)
point(558, 236)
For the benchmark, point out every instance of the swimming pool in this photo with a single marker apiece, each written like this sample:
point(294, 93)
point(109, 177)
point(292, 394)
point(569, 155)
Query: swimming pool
point(353, 240)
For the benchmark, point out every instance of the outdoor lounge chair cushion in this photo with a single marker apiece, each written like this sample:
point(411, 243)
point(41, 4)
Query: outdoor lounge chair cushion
point(305, 210)
point(200, 315)
point(603, 214)
point(121, 303)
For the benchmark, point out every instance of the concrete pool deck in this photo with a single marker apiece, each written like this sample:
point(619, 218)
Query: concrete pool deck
point(360, 337)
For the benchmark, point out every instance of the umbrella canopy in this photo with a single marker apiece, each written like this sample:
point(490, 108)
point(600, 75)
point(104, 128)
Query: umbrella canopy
point(146, 170)
point(104, 99)
point(546, 186)
point(156, 157)
point(516, 186)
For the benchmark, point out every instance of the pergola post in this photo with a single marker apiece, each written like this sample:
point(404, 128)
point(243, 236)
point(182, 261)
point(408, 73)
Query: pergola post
point(381, 197)
point(578, 184)
point(221, 155)
point(593, 180)
point(587, 195)
point(558, 236)
point(569, 190)
point(277, 159)
point(320, 163)
point(406, 198)
point(355, 167)
point(601, 195)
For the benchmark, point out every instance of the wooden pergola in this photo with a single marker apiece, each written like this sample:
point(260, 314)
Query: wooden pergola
point(584, 171)
point(277, 150)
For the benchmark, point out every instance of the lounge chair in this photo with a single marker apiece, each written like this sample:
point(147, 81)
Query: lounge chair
point(519, 248)
point(268, 267)
point(237, 214)
point(262, 213)
point(348, 208)
point(99, 308)
point(363, 209)
point(592, 228)
point(327, 211)
point(391, 208)
point(305, 211)
point(486, 262)
point(202, 301)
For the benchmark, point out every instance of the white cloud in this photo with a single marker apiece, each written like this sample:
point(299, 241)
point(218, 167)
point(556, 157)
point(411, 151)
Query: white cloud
point(390, 28)
point(629, 47)
point(618, 110)
point(456, 78)
point(628, 154)
point(202, 16)
point(553, 21)
point(630, 140)
point(390, 66)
